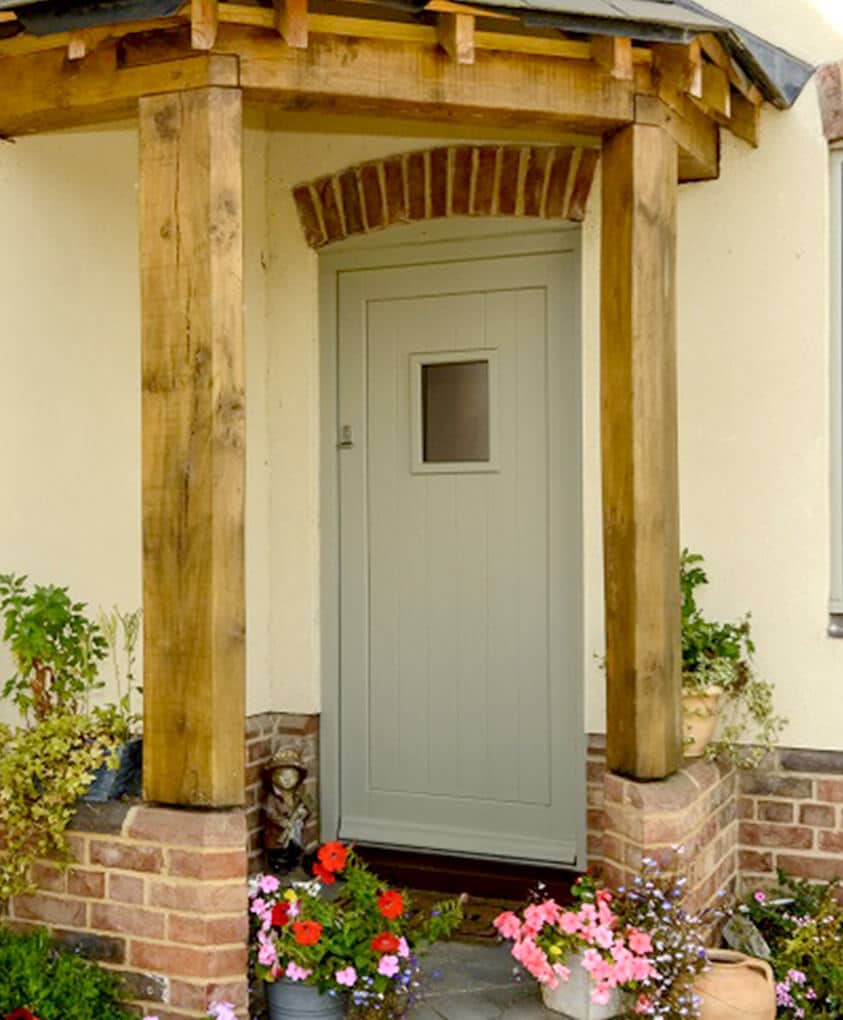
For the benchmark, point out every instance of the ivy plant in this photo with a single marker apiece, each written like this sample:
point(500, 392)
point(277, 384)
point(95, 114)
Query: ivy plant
point(716, 654)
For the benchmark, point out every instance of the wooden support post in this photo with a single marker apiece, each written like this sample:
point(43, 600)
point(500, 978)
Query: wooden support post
point(191, 253)
point(614, 54)
point(639, 448)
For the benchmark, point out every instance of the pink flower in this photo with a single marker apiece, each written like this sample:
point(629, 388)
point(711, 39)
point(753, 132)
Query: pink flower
point(222, 1011)
point(268, 884)
point(591, 960)
point(508, 925)
point(603, 937)
point(563, 973)
point(569, 922)
point(640, 943)
point(403, 948)
point(259, 906)
point(294, 909)
point(296, 973)
point(600, 995)
point(267, 955)
point(347, 977)
point(760, 897)
point(388, 965)
point(537, 915)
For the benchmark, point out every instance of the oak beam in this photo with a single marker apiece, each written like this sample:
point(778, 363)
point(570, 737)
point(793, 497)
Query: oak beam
point(291, 22)
point(193, 466)
point(697, 136)
point(45, 92)
point(639, 453)
point(204, 23)
point(456, 36)
point(389, 78)
point(614, 54)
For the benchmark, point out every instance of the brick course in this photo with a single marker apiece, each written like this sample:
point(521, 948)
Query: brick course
point(160, 899)
point(552, 182)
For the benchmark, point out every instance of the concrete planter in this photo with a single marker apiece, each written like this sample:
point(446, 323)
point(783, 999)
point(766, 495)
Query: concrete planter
point(573, 999)
point(700, 713)
point(289, 1000)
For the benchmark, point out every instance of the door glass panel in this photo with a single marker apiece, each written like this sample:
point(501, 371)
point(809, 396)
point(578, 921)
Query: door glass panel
point(455, 412)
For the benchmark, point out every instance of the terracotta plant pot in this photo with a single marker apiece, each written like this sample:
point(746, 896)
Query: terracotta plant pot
point(572, 998)
point(699, 718)
point(737, 987)
point(287, 1000)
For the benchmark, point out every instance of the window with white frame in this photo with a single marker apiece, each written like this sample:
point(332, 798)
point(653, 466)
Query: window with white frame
point(836, 600)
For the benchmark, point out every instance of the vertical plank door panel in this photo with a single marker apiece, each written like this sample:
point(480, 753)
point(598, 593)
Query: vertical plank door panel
point(639, 447)
point(193, 412)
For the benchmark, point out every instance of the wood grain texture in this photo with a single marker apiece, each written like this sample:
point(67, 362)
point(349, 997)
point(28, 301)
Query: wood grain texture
point(204, 22)
point(291, 22)
point(456, 36)
point(639, 448)
point(193, 413)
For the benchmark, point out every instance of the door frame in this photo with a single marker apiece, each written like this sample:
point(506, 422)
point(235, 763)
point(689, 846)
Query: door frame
point(454, 241)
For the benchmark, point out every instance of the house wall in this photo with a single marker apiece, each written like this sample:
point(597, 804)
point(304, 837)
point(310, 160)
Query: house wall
point(754, 429)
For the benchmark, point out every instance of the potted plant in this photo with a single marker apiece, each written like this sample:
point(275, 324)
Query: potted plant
point(613, 952)
point(352, 950)
point(48, 763)
point(719, 682)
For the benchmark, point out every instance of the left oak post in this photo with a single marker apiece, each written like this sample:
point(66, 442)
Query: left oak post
point(193, 426)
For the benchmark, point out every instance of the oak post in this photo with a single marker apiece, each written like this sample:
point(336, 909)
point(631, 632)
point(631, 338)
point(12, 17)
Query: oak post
point(191, 257)
point(639, 450)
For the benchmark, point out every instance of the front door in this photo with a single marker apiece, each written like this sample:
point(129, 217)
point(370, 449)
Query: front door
point(461, 722)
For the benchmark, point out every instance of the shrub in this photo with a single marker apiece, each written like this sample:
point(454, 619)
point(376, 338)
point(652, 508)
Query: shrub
point(54, 984)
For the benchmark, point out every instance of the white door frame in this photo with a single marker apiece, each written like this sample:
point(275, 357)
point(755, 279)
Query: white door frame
point(406, 246)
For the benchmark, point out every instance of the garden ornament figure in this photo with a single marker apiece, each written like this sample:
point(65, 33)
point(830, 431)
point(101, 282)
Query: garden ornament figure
point(287, 811)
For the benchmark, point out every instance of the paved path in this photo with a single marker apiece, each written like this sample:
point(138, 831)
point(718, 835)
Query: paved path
point(466, 982)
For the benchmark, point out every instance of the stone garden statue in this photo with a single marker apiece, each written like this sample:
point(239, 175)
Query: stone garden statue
point(287, 810)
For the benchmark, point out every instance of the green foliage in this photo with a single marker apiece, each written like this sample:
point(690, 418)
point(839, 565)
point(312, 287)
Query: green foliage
point(56, 647)
point(802, 924)
point(54, 984)
point(721, 655)
point(44, 770)
point(121, 631)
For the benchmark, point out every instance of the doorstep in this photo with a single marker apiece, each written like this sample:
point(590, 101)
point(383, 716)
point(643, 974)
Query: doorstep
point(471, 982)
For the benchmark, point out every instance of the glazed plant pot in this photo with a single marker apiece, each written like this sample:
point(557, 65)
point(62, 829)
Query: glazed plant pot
point(737, 987)
point(289, 1000)
point(573, 999)
point(699, 718)
point(123, 781)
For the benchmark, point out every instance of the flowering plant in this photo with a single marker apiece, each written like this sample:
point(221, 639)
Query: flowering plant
point(216, 1011)
point(802, 923)
point(362, 940)
point(638, 940)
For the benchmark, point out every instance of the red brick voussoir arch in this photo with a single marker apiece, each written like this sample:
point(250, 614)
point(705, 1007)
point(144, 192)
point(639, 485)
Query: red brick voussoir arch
point(548, 182)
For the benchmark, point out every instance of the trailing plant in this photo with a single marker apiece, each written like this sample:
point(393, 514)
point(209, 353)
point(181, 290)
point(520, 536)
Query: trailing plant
point(39, 980)
point(802, 925)
point(362, 941)
point(44, 770)
point(720, 655)
point(57, 649)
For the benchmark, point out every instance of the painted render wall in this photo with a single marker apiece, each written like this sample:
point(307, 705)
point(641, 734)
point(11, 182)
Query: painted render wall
point(754, 431)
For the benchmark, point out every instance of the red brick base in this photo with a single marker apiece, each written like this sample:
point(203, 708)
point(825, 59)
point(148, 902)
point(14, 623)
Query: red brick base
point(157, 895)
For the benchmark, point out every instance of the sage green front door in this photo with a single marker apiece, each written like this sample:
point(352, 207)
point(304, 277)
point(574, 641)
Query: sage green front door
point(460, 506)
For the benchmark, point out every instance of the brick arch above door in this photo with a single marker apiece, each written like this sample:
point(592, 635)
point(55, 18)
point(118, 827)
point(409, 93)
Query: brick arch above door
point(546, 182)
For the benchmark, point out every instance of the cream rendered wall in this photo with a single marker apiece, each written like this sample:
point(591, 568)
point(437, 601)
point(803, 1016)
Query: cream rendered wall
point(70, 357)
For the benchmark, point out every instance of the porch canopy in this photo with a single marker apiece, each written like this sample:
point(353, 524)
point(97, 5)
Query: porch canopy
point(648, 84)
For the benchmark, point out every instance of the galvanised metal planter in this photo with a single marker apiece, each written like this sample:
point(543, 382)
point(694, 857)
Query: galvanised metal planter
point(290, 1000)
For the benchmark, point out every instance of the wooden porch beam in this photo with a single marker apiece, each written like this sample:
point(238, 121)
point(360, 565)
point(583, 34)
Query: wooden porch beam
point(291, 22)
point(193, 468)
point(696, 135)
point(639, 453)
point(456, 36)
point(204, 23)
point(45, 92)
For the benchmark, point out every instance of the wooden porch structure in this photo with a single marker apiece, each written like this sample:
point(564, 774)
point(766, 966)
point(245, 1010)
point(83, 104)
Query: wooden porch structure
point(655, 110)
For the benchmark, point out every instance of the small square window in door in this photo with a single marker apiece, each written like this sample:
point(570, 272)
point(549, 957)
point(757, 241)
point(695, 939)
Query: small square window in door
point(455, 409)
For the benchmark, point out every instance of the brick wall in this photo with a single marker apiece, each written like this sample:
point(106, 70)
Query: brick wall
point(158, 895)
point(791, 812)
point(265, 734)
point(696, 808)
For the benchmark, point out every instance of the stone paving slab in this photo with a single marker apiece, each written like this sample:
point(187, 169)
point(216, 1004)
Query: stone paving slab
point(467, 982)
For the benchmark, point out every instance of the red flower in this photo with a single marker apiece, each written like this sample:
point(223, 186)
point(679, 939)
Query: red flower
point(325, 876)
point(386, 942)
point(391, 904)
point(332, 856)
point(280, 915)
point(21, 1014)
point(307, 933)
